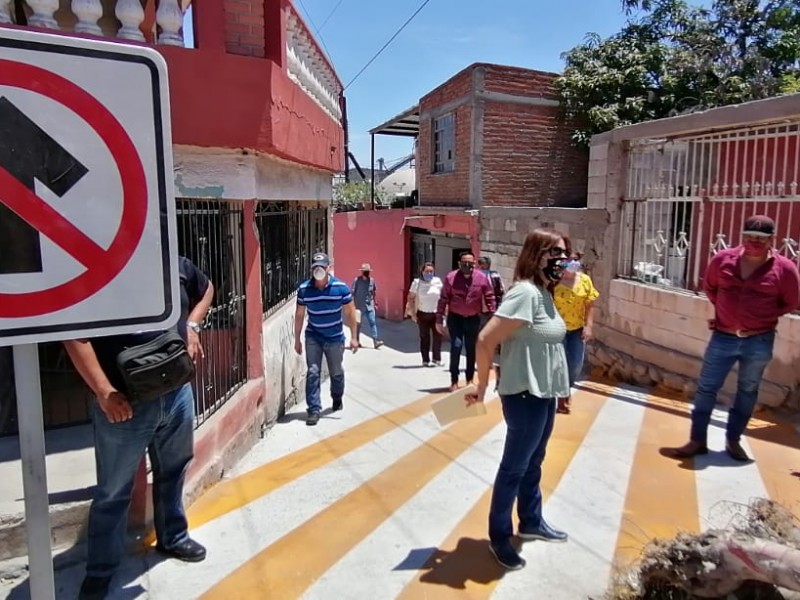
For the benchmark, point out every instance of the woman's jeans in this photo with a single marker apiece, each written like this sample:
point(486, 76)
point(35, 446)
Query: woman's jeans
point(529, 422)
point(163, 427)
point(723, 351)
point(574, 348)
point(427, 332)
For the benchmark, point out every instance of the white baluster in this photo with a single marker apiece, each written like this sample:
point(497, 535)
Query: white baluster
point(169, 17)
point(5, 11)
point(131, 14)
point(88, 13)
point(42, 16)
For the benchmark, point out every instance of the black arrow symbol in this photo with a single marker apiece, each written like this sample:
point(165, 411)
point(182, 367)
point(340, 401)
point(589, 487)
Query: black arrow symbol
point(28, 154)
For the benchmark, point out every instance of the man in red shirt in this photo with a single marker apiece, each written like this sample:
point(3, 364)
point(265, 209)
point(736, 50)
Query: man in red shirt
point(750, 286)
point(463, 296)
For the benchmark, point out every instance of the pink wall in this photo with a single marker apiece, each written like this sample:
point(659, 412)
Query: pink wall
point(376, 237)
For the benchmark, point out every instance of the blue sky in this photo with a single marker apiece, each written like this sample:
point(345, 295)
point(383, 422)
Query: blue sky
point(445, 37)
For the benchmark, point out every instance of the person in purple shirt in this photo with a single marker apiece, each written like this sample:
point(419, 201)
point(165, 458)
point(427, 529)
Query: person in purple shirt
point(464, 294)
point(750, 286)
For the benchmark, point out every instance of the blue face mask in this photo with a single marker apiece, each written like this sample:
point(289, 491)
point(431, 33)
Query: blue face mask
point(427, 276)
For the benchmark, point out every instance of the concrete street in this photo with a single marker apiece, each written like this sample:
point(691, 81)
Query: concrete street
point(379, 502)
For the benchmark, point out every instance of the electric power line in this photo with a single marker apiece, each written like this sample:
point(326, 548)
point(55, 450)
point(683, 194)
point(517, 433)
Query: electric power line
point(391, 39)
point(311, 20)
point(328, 18)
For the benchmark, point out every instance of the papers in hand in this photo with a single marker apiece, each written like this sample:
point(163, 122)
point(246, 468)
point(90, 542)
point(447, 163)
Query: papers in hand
point(454, 407)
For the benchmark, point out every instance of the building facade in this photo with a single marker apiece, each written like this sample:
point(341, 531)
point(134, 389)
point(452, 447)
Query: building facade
point(257, 134)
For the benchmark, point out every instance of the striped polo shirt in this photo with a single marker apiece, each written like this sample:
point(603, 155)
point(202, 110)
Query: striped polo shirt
point(324, 308)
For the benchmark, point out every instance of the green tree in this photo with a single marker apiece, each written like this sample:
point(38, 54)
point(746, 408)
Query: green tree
point(672, 57)
point(355, 193)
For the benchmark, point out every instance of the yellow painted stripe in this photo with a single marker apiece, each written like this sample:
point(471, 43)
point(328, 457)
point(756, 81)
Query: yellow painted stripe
point(776, 450)
point(289, 566)
point(462, 566)
point(661, 498)
point(231, 494)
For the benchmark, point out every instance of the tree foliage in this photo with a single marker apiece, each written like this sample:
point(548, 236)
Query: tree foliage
point(672, 57)
point(357, 194)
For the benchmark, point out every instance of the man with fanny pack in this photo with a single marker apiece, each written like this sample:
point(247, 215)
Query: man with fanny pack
point(124, 428)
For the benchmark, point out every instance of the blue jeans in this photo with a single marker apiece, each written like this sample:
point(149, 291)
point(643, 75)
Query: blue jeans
point(574, 348)
point(463, 334)
point(163, 427)
point(529, 422)
point(723, 351)
point(334, 355)
point(369, 313)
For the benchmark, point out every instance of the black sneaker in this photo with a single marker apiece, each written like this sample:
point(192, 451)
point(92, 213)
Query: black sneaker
point(312, 419)
point(507, 556)
point(544, 533)
point(94, 588)
point(337, 404)
point(187, 551)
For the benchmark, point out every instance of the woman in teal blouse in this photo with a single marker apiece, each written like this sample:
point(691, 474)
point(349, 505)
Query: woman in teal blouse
point(534, 374)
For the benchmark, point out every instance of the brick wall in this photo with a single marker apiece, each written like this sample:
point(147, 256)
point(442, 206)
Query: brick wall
point(525, 157)
point(244, 27)
point(446, 188)
point(528, 158)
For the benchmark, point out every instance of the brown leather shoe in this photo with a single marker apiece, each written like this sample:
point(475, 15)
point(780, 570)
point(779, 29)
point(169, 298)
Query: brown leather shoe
point(736, 452)
point(688, 450)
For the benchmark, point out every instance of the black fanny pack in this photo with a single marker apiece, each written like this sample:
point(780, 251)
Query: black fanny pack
point(155, 368)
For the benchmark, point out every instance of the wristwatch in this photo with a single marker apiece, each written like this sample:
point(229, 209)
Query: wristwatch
point(194, 326)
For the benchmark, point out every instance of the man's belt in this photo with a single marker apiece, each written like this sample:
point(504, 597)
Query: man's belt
point(744, 333)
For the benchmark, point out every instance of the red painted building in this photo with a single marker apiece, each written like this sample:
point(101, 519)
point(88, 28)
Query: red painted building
point(490, 136)
point(257, 132)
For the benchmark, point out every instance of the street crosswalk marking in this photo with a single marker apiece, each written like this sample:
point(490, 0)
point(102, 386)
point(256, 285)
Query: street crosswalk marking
point(287, 568)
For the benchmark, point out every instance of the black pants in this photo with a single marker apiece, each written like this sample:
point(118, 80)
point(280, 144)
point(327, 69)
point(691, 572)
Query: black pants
point(463, 334)
point(427, 330)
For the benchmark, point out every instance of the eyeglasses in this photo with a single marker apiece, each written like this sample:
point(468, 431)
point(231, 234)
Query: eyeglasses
point(558, 251)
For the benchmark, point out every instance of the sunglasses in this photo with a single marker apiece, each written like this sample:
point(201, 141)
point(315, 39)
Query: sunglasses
point(557, 251)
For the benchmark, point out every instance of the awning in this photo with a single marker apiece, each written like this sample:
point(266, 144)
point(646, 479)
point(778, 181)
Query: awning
point(404, 124)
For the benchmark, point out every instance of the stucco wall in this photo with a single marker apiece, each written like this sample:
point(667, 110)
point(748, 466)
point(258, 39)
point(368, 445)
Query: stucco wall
point(376, 237)
point(284, 370)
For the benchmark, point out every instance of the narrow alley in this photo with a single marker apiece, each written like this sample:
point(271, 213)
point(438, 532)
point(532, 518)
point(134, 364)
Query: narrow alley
point(380, 502)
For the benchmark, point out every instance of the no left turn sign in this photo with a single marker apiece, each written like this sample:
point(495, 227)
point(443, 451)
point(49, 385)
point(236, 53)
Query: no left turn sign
point(87, 212)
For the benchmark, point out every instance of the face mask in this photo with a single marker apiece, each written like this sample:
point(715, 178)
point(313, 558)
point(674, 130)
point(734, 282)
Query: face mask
point(574, 266)
point(365, 273)
point(427, 276)
point(752, 248)
point(466, 268)
point(555, 268)
point(319, 273)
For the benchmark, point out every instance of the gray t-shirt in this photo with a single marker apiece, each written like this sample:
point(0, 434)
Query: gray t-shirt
point(533, 358)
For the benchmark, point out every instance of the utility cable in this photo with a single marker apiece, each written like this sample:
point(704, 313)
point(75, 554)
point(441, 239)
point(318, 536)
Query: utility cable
point(328, 18)
point(321, 39)
point(391, 39)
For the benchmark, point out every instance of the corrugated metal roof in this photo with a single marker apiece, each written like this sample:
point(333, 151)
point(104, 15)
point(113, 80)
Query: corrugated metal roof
point(406, 123)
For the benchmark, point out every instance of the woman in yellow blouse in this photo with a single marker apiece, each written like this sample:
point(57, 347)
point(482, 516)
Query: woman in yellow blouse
point(574, 297)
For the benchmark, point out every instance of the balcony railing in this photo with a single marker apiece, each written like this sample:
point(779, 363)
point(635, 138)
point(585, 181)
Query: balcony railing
point(121, 19)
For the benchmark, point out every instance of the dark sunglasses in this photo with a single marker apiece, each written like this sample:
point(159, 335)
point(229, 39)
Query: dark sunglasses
point(557, 251)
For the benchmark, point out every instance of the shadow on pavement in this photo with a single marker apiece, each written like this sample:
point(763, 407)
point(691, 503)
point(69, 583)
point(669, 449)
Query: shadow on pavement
point(469, 561)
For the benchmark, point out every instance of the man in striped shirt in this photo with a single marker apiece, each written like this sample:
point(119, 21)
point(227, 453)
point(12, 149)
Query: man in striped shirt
point(327, 301)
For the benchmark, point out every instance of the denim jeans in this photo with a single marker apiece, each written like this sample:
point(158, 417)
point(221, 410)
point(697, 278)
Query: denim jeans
point(463, 334)
point(163, 427)
point(723, 351)
point(369, 313)
point(529, 423)
point(334, 355)
point(574, 348)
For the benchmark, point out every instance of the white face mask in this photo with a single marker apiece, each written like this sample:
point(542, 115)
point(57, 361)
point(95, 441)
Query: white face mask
point(319, 273)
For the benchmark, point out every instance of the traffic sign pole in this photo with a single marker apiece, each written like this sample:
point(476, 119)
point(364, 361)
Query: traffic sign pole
point(34, 470)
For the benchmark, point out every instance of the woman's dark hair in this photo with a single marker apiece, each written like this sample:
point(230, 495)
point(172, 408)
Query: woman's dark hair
point(425, 266)
point(536, 244)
